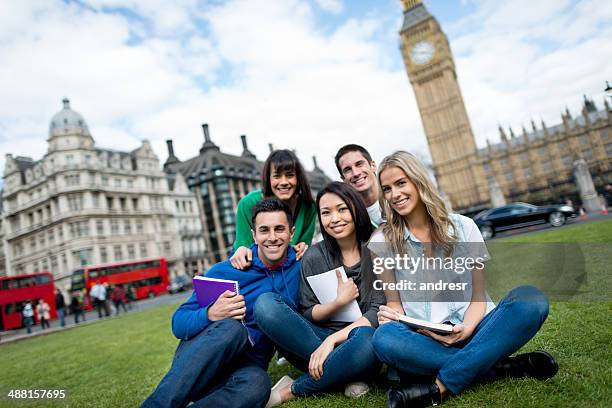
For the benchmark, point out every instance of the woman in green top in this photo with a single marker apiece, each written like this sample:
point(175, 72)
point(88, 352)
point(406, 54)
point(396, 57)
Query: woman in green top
point(283, 177)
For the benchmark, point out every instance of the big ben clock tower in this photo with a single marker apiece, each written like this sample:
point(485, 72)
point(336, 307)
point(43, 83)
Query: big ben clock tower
point(431, 70)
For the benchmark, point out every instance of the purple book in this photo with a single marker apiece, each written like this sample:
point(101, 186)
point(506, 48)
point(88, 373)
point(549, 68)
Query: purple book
point(209, 289)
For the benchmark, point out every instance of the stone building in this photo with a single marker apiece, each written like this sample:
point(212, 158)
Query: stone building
point(81, 205)
point(219, 180)
point(535, 166)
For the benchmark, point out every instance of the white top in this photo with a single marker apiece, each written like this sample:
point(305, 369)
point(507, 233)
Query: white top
point(437, 312)
point(98, 292)
point(375, 214)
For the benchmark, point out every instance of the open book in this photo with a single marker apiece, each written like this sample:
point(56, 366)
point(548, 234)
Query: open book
point(325, 287)
point(440, 328)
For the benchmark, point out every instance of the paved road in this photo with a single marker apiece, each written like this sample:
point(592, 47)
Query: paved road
point(540, 227)
point(91, 316)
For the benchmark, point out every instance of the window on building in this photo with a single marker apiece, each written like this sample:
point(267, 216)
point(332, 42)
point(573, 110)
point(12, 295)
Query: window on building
point(33, 244)
point(143, 250)
point(547, 167)
point(95, 200)
point(134, 203)
point(100, 227)
point(166, 248)
point(51, 236)
point(118, 253)
point(587, 155)
point(117, 182)
point(41, 240)
point(131, 252)
point(114, 227)
point(139, 227)
point(53, 263)
point(45, 264)
point(584, 141)
point(75, 202)
point(608, 148)
point(130, 183)
point(103, 255)
point(104, 180)
point(122, 203)
point(127, 227)
point(109, 203)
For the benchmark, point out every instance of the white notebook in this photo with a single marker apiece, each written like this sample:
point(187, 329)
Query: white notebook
point(440, 328)
point(325, 287)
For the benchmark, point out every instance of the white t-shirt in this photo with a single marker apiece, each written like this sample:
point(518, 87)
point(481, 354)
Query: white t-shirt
point(375, 214)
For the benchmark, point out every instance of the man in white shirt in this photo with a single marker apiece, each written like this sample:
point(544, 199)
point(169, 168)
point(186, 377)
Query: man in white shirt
point(98, 295)
point(356, 167)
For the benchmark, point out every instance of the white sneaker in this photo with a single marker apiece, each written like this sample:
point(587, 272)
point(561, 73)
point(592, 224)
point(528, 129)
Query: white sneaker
point(275, 398)
point(282, 361)
point(356, 389)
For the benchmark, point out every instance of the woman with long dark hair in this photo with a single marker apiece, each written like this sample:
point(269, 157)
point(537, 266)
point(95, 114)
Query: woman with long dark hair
point(283, 177)
point(334, 353)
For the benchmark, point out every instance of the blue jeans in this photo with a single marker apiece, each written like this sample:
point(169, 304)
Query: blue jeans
point(515, 320)
point(60, 313)
point(210, 370)
point(298, 338)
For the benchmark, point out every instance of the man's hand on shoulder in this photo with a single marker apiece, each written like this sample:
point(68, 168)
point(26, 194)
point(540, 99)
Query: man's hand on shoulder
point(227, 305)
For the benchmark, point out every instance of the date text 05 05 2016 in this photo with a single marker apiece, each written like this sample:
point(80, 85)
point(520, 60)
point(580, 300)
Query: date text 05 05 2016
point(35, 394)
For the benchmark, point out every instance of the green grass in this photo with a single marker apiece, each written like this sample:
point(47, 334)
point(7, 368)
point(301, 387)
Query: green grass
point(117, 363)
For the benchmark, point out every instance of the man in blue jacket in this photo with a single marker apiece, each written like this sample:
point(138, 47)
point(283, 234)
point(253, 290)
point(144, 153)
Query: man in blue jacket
point(222, 358)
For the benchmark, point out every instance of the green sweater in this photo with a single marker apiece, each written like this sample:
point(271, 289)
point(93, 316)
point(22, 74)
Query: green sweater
point(304, 221)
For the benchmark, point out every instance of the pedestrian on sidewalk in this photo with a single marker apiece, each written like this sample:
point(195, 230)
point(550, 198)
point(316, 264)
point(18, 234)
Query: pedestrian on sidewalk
point(42, 309)
point(119, 298)
point(28, 315)
point(98, 295)
point(60, 306)
point(76, 307)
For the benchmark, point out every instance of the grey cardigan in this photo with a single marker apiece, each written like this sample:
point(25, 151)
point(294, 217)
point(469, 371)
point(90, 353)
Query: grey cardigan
point(318, 259)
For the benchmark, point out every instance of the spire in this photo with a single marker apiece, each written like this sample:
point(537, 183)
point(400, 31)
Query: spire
point(533, 125)
point(208, 144)
point(172, 159)
point(410, 4)
point(245, 149)
point(66, 103)
point(271, 147)
point(502, 134)
point(316, 165)
point(524, 130)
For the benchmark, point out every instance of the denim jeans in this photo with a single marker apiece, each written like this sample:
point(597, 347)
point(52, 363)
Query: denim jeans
point(515, 320)
point(210, 370)
point(61, 315)
point(298, 338)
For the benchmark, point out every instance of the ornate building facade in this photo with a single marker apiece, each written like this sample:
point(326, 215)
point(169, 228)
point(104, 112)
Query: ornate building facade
point(219, 180)
point(81, 205)
point(536, 166)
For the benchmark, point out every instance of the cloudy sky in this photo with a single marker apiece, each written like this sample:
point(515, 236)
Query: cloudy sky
point(310, 75)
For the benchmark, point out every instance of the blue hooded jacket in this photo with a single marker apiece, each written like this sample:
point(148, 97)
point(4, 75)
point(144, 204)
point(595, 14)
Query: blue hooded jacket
point(190, 319)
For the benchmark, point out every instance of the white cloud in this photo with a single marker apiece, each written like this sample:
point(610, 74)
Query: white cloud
point(333, 6)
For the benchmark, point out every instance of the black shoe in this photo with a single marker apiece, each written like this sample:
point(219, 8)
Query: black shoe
point(538, 364)
point(414, 395)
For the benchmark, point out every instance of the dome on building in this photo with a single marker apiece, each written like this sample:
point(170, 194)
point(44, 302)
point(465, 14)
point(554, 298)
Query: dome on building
point(67, 121)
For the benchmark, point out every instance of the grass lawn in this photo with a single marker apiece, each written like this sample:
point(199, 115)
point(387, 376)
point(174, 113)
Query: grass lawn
point(117, 363)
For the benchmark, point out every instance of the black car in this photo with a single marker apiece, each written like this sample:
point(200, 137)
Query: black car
point(519, 215)
point(180, 283)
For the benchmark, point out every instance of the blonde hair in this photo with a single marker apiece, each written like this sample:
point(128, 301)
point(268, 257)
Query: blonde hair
point(437, 212)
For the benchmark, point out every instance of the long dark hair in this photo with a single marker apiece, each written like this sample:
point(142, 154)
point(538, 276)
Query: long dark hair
point(359, 213)
point(283, 161)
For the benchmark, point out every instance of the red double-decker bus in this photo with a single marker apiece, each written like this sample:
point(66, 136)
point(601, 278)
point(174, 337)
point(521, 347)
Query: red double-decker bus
point(15, 290)
point(148, 277)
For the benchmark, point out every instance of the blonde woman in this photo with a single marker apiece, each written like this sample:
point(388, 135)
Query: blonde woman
point(483, 335)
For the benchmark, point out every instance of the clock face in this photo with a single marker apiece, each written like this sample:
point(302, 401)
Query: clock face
point(422, 53)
